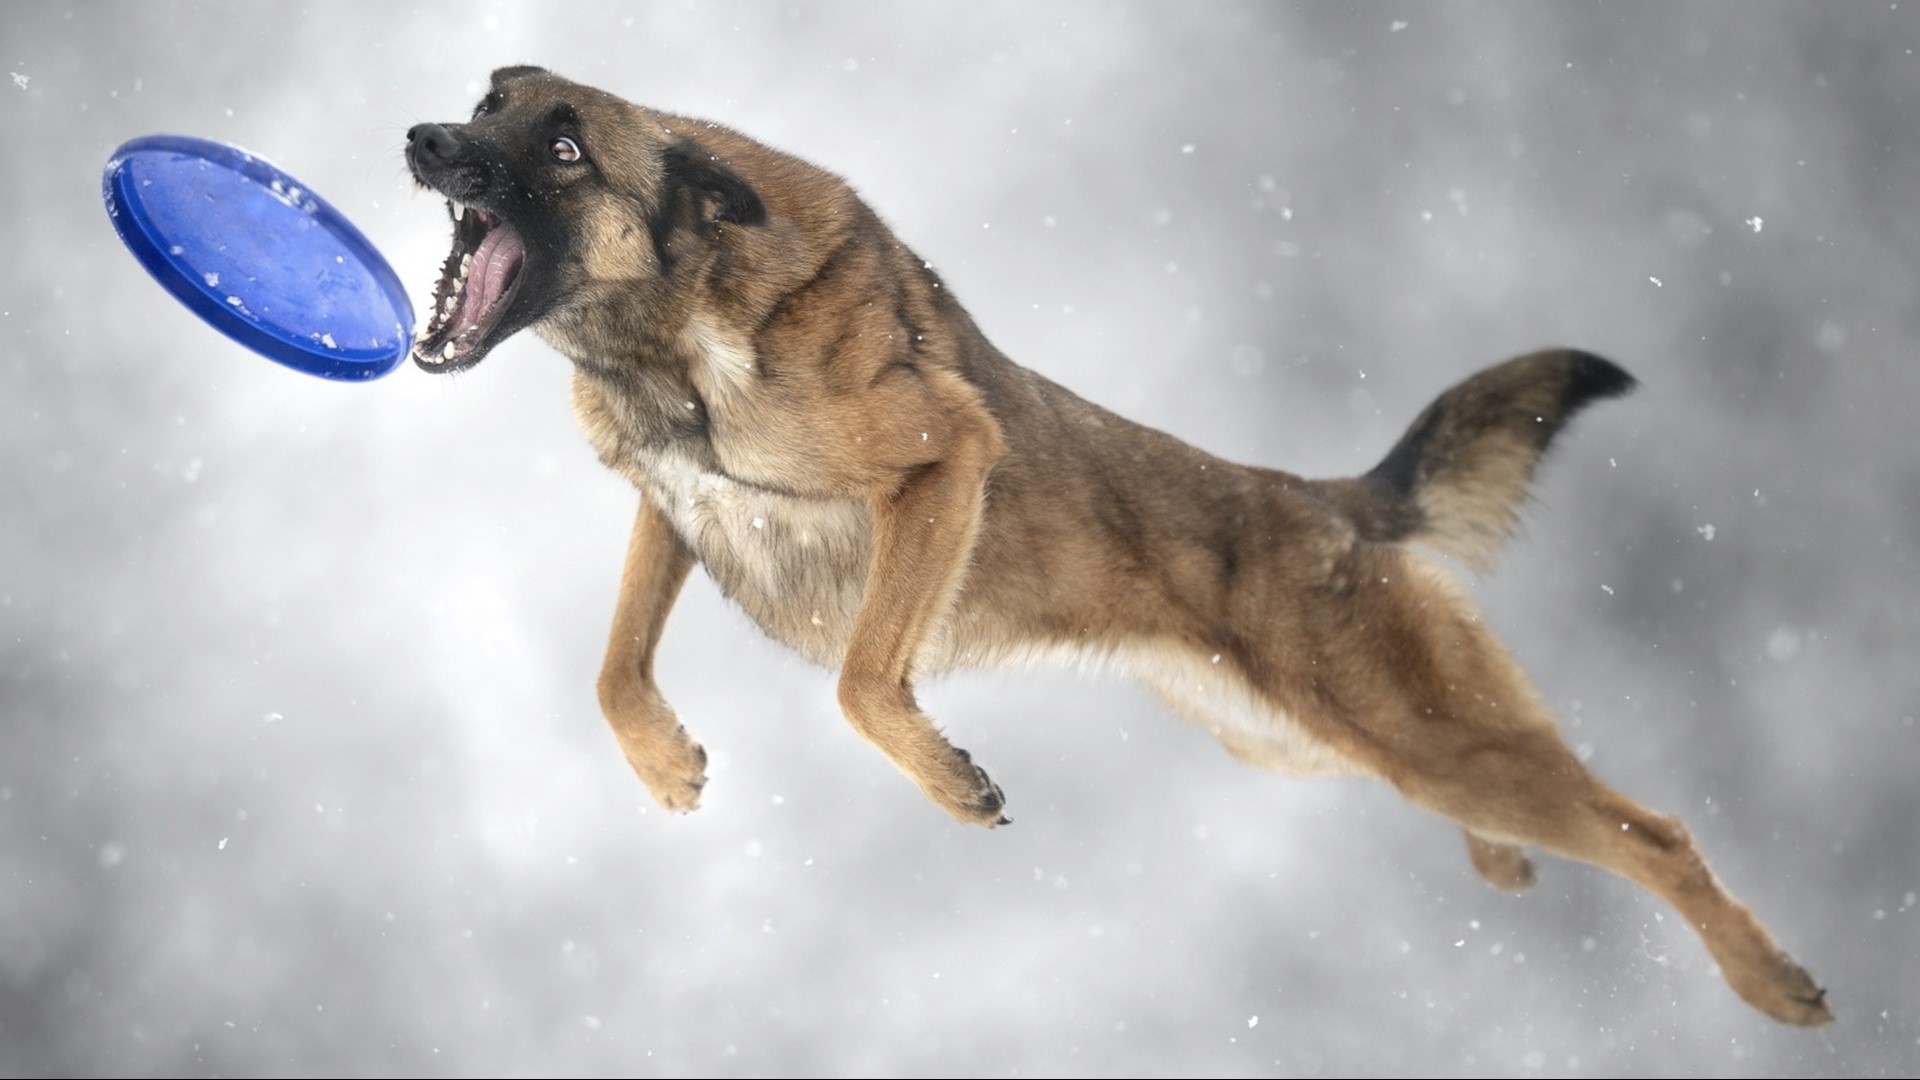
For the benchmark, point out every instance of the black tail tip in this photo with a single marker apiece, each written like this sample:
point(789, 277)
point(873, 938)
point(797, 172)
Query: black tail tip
point(1593, 378)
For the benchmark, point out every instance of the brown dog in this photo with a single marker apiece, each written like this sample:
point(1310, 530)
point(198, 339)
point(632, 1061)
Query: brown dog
point(810, 415)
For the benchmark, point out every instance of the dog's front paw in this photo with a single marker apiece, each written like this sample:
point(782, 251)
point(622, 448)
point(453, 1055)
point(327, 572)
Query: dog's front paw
point(968, 793)
point(662, 754)
point(675, 770)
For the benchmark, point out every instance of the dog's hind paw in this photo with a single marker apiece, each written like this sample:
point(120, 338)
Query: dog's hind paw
point(1505, 866)
point(1784, 990)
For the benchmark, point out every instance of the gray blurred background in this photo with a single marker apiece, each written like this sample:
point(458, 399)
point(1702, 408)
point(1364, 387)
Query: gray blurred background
point(301, 770)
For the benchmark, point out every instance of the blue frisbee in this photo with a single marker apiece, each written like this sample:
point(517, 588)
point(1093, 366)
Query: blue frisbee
point(259, 255)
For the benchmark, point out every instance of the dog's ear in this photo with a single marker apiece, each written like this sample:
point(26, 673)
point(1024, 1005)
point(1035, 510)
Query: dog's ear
point(505, 75)
point(699, 192)
point(720, 194)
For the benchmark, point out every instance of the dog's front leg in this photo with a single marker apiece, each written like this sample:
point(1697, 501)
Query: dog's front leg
point(673, 766)
point(923, 536)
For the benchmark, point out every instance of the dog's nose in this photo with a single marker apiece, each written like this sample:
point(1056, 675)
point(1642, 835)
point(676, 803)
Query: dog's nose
point(430, 144)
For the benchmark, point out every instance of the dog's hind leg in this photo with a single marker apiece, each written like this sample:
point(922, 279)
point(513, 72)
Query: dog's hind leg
point(1501, 791)
point(672, 765)
point(1472, 742)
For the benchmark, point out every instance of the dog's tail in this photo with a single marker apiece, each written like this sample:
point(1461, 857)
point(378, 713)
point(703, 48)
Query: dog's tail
point(1456, 480)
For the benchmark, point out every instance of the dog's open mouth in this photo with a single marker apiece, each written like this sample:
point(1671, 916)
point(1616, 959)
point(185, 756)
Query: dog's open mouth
point(477, 285)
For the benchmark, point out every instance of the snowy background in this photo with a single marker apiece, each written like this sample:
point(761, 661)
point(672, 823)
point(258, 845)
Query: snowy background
point(301, 769)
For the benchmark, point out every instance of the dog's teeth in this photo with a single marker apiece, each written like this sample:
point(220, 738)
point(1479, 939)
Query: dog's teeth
point(466, 263)
point(459, 208)
point(447, 353)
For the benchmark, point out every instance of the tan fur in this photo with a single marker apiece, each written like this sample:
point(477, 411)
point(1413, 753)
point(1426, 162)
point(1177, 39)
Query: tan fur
point(811, 417)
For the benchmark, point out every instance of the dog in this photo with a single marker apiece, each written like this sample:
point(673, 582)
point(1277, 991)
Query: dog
point(810, 415)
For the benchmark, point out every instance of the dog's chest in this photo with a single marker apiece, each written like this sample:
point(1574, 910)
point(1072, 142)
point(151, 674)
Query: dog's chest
point(797, 565)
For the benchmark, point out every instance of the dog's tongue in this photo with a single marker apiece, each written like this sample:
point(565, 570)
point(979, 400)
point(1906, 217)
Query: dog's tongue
point(495, 263)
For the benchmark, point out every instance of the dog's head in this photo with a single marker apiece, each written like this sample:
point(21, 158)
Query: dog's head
point(563, 196)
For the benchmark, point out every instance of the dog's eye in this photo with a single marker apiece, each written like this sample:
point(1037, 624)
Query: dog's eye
point(564, 149)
